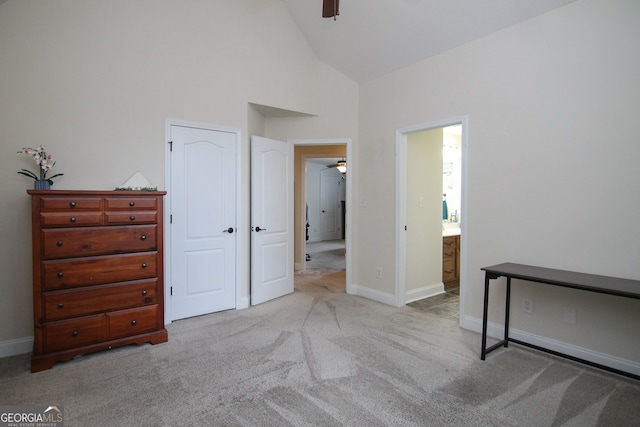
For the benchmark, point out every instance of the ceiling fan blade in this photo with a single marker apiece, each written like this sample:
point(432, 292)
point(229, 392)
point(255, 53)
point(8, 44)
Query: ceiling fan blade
point(330, 8)
point(339, 163)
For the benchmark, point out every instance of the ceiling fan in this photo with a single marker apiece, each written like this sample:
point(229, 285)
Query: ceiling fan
point(330, 8)
point(341, 165)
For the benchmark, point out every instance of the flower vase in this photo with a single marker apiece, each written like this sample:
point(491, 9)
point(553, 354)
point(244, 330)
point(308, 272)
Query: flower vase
point(42, 184)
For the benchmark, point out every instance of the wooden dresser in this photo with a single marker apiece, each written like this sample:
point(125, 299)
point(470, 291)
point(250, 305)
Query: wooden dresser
point(97, 272)
point(451, 260)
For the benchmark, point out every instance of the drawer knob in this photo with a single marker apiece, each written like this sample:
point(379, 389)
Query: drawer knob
point(60, 274)
point(132, 218)
point(58, 243)
point(143, 237)
point(144, 292)
point(133, 323)
point(144, 265)
point(72, 204)
point(74, 333)
point(60, 305)
point(132, 204)
point(72, 219)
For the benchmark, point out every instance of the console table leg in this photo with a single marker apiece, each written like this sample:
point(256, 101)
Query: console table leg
point(484, 317)
point(506, 313)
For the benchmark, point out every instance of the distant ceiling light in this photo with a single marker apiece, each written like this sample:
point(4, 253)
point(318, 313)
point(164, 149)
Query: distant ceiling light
point(330, 8)
point(341, 165)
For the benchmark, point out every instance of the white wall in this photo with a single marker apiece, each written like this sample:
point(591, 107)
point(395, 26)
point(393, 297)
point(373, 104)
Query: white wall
point(94, 82)
point(552, 163)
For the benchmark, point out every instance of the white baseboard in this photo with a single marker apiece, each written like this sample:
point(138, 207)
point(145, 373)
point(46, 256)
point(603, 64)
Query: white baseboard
point(17, 346)
point(383, 297)
point(243, 303)
point(425, 292)
point(495, 330)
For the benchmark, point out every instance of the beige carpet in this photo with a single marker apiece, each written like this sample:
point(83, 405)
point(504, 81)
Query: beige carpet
point(320, 357)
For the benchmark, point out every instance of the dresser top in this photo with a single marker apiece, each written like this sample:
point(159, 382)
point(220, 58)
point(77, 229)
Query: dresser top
point(94, 193)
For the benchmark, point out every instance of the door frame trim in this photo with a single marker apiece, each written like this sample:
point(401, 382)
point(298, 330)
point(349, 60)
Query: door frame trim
point(401, 204)
point(168, 308)
point(350, 288)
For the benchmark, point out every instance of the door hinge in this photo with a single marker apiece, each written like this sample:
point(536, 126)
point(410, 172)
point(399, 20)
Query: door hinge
point(170, 145)
point(170, 218)
point(171, 290)
point(405, 228)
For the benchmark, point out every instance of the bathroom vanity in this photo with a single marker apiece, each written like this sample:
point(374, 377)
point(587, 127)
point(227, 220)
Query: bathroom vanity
point(451, 257)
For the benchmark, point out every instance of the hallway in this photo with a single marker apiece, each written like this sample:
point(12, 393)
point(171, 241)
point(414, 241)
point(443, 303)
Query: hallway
point(327, 268)
point(327, 254)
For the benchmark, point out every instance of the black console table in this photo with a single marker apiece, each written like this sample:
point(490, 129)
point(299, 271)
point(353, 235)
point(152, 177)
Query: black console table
point(587, 282)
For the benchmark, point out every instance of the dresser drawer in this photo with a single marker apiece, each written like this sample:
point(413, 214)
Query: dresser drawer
point(449, 242)
point(70, 203)
point(73, 333)
point(448, 251)
point(133, 321)
point(131, 203)
point(135, 217)
point(70, 219)
point(79, 302)
point(80, 242)
point(60, 274)
point(449, 270)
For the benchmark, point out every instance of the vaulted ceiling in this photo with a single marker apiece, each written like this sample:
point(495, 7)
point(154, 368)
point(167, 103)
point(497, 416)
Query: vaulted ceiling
point(371, 38)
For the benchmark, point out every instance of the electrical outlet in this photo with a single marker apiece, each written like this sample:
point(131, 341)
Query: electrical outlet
point(569, 314)
point(379, 272)
point(527, 305)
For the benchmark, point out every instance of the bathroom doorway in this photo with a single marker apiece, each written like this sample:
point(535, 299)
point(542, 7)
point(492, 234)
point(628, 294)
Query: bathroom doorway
point(423, 222)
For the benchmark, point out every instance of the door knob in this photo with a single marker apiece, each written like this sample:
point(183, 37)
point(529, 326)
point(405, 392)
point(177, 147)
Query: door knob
point(258, 229)
point(228, 230)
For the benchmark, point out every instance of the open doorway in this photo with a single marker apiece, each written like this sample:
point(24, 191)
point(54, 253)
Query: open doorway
point(433, 215)
point(325, 215)
point(421, 212)
point(322, 251)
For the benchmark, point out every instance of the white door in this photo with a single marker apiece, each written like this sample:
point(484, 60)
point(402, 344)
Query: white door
point(271, 219)
point(329, 205)
point(203, 215)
